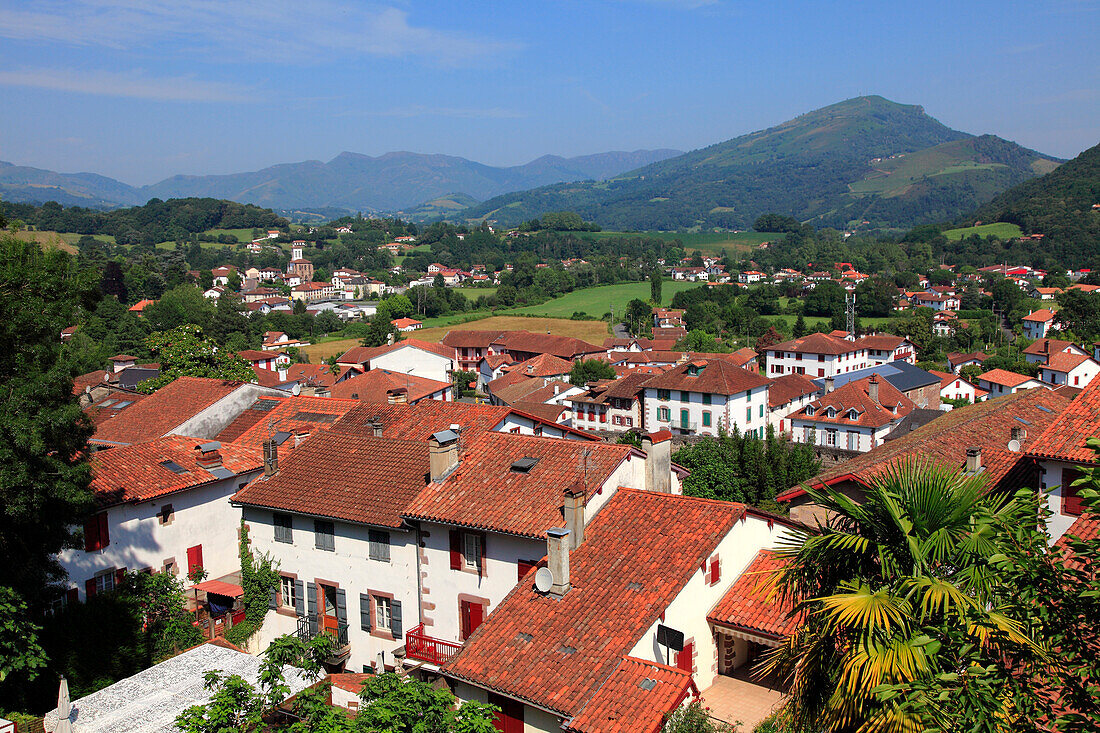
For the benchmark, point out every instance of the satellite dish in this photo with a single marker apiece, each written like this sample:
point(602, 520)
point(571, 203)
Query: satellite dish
point(1014, 446)
point(543, 580)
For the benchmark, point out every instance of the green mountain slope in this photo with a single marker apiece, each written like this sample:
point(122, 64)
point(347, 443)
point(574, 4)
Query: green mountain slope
point(862, 159)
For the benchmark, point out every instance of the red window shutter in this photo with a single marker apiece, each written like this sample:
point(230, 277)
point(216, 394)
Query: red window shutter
point(1071, 502)
point(91, 534)
point(104, 534)
point(464, 620)
point(89, 587)
point(714, 572)
point(456, 550)
point(119, 575)
point(523, 567)
point(477, 615)
point(72, 596)
point(684, 657)
point(194, 558)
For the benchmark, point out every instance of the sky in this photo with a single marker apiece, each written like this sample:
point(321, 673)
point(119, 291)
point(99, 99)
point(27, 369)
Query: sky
point(142, 89)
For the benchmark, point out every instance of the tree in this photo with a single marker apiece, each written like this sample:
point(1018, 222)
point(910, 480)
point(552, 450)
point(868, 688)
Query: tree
point(637, 315)
point(771, 337)
point(776, 223)
point(875, 297)
point(44, 475)
point(406, 705)
point(184, 352)
point(590, 370)
point(462, 382)
point(379, 332)
point(700, 341)
point(896, 592)
point(971, 372)
point(826, 299)
point(655, 282)
point(799, 328)
point(20, 652)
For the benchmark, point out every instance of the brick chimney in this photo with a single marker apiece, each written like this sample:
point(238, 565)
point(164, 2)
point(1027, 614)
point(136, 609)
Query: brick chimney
point(557, 556)
point(973, 459)
point(658, 461)
point(442, 454)
point(208, 455)
point(397, 396)
point(271, 458)
point(828, 385)
point(872, 388)
point(573, 511)
point(1018, 433)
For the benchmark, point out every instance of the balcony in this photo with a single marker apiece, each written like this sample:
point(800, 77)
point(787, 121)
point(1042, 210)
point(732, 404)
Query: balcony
point(311, 626)
point(419, 645)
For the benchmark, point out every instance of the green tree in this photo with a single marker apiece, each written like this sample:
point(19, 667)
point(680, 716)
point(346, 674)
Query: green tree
point(406, 705)
point(637, 315)
point(185, 352)
point(590, 370)
point(44, 475)
point(462, 382)
point(655, 281)
point(20, 653)
point(799, 328)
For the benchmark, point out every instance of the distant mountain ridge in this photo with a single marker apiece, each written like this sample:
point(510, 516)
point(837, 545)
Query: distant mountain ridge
point(863, 159)
point(349, 181)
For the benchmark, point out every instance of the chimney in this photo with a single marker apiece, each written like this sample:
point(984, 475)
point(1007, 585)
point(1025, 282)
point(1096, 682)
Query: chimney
point(397, 396)
point(973, 459)
point(389, 339)
point(658, 461)
point(208, 455)
point(442, 454)
point(872, 388)
point(1018, 434)
point(557, 554)
point(376, 428)
point(828, 385)
point(271, 458)
point(574, 515)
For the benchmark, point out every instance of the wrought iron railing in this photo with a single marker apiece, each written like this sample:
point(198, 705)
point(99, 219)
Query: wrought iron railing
point(419, 645)
point(311, 626)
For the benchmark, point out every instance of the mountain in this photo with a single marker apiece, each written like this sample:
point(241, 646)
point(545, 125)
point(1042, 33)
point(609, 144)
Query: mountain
point(864, 159)
point(349, 182)
point(25, 184)
point(395, 180)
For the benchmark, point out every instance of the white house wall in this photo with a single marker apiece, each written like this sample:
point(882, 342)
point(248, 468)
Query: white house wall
point(728, 411)
point(411, 360)
point(1058, 523)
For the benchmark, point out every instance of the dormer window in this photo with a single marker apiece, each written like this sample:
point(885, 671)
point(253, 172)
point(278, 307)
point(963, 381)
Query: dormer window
point(853, 414)
point(830, 412)
point(810, 409)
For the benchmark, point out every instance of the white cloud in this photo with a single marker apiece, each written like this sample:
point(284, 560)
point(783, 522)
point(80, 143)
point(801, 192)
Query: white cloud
point(280, 31)
point(132, 84)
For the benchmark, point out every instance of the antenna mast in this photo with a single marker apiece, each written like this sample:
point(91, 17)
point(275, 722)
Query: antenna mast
point(850, 313)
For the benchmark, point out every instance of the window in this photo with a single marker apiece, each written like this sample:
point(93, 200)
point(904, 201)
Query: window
point(761, 410)
point(165, 515)
point(629, 422)
point(379, 545)
point(663, 413)
point(748, 414)
point(706, 398)
point(663, 394)
point(685, 396)
point(853, 440)
point(170, 566)
point(706, 418)
point(96, 536)
point(471, 551)
point(830, 437)
point(289, 598)
point(383, 613)
point(471, 614)
point(324, 536)
point(284, 528)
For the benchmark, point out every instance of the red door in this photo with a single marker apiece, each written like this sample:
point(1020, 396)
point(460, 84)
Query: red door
point(194, 559)
point(472, 614)
point(684, 657)
point(329, 620)
point(510, 717)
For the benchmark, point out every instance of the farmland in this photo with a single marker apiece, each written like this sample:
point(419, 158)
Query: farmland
point(599, 300)
point(1000, 230)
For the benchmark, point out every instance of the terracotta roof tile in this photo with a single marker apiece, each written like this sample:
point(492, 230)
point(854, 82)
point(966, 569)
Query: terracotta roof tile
point(1040, 316)
point(167, 408)
point(1065, 437)
point(1044, 346)
point(375, 385)
point(311, 375)
point(363, 354)
point(639, 552)
point(523, 390)
point(91, 379)
point(565, 347)
point(754, 603)
point(543, 365)
point(420, 421)
point(300, 416)
point(1065, 362)
point(788, 387)
point(1004, 377)
point(470, 339)
point(357, 478)
point(817, 343)
point(253, 414)
point(718, 377)
point(135, 472)
point(547, 411)
point(634, 699)
point(857, 395)
point(112, 406)
point(484, 492)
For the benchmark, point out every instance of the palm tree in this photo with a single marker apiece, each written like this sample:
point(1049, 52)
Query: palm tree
point(893, 591)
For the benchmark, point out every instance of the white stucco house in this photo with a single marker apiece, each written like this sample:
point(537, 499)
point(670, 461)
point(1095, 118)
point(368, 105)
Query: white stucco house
point(855, 417)
point(702, 396)
point(408, 356)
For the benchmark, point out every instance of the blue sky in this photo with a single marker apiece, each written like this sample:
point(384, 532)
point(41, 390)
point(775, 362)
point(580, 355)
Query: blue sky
point(142, 89)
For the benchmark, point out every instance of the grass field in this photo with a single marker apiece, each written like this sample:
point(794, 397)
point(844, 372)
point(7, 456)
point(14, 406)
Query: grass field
point(998, 229)
point(597, 301)
point(473, 294)
point(592, 331)
point(51, 240)
point(708, 242)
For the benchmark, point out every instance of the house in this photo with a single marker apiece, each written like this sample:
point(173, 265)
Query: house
point(1063, 368)
point(1037, 324)
point(287, 421)
point(491, 367)
point(955, 361)
point(310, 291)
point(1001, 381)
point(1061, 453)
point(668, 317)
point(935, 301)
point(702, 396)
point(139, 307)
point(533, 389)
point(258, 294)
point(1040, 351)
point(408, 356)
point(410, 543)
point(827, 355)
point(543, 367)
point(470, 346)
point(616, 405)
point(885, 348)
point(787, 394)
point(274, 361)
point(522, 345)
point(275, 340)
point(922, 387)
point(407, 324)
point(553, 657)
point(750, 276)
point(855, 416)
point(954, 387)
point(382, 385)
point(978, 437)
point(194, 406)
point(222, 274)
point(161, 505)
point(1038, 293)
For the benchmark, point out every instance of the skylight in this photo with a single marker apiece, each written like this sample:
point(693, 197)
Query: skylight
point(524, 465)
point(108, 403)
point(173, 467)
point(1025, 422)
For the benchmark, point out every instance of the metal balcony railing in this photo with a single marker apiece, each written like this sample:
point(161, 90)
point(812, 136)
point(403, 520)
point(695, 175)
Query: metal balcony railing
point(311, 626)
point(419, 645)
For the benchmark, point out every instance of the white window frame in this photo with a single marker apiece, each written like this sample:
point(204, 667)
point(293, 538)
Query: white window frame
point(472, 551)
point(383, 613)
point(286, 588)
point(105, 581)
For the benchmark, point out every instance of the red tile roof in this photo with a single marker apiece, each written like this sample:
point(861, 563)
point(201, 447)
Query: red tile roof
point(134, 472)
point(1045, 346)
point(788, 388)
point(167, 408)
point(857, 395)
point(755, 603)
point(1040, 316)
point(91, 379)
point(1065, 362)
point(1004, 377)
point(363, 354)
point(420, 421)
point(880, 342)
point(357, 478)
point(817, 343)
point(301, 416)
point(717, 377)
point(112, 406)
point(248, 417)
point(524, 389)
point(546, 411)
point(956, 359)
point(485, 493)
point(543, 365)
point(1065, 437)
point(470, 339)
point(638, 554)
point(565, 347)
point(311, 375)
point(377, 384)
point(987, 425)
point(634, 699)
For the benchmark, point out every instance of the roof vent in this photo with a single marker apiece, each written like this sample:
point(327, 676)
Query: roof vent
point(524, 465)
point(568, 649)
point(647, 684)
point(633, 585)
point(524, 636)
